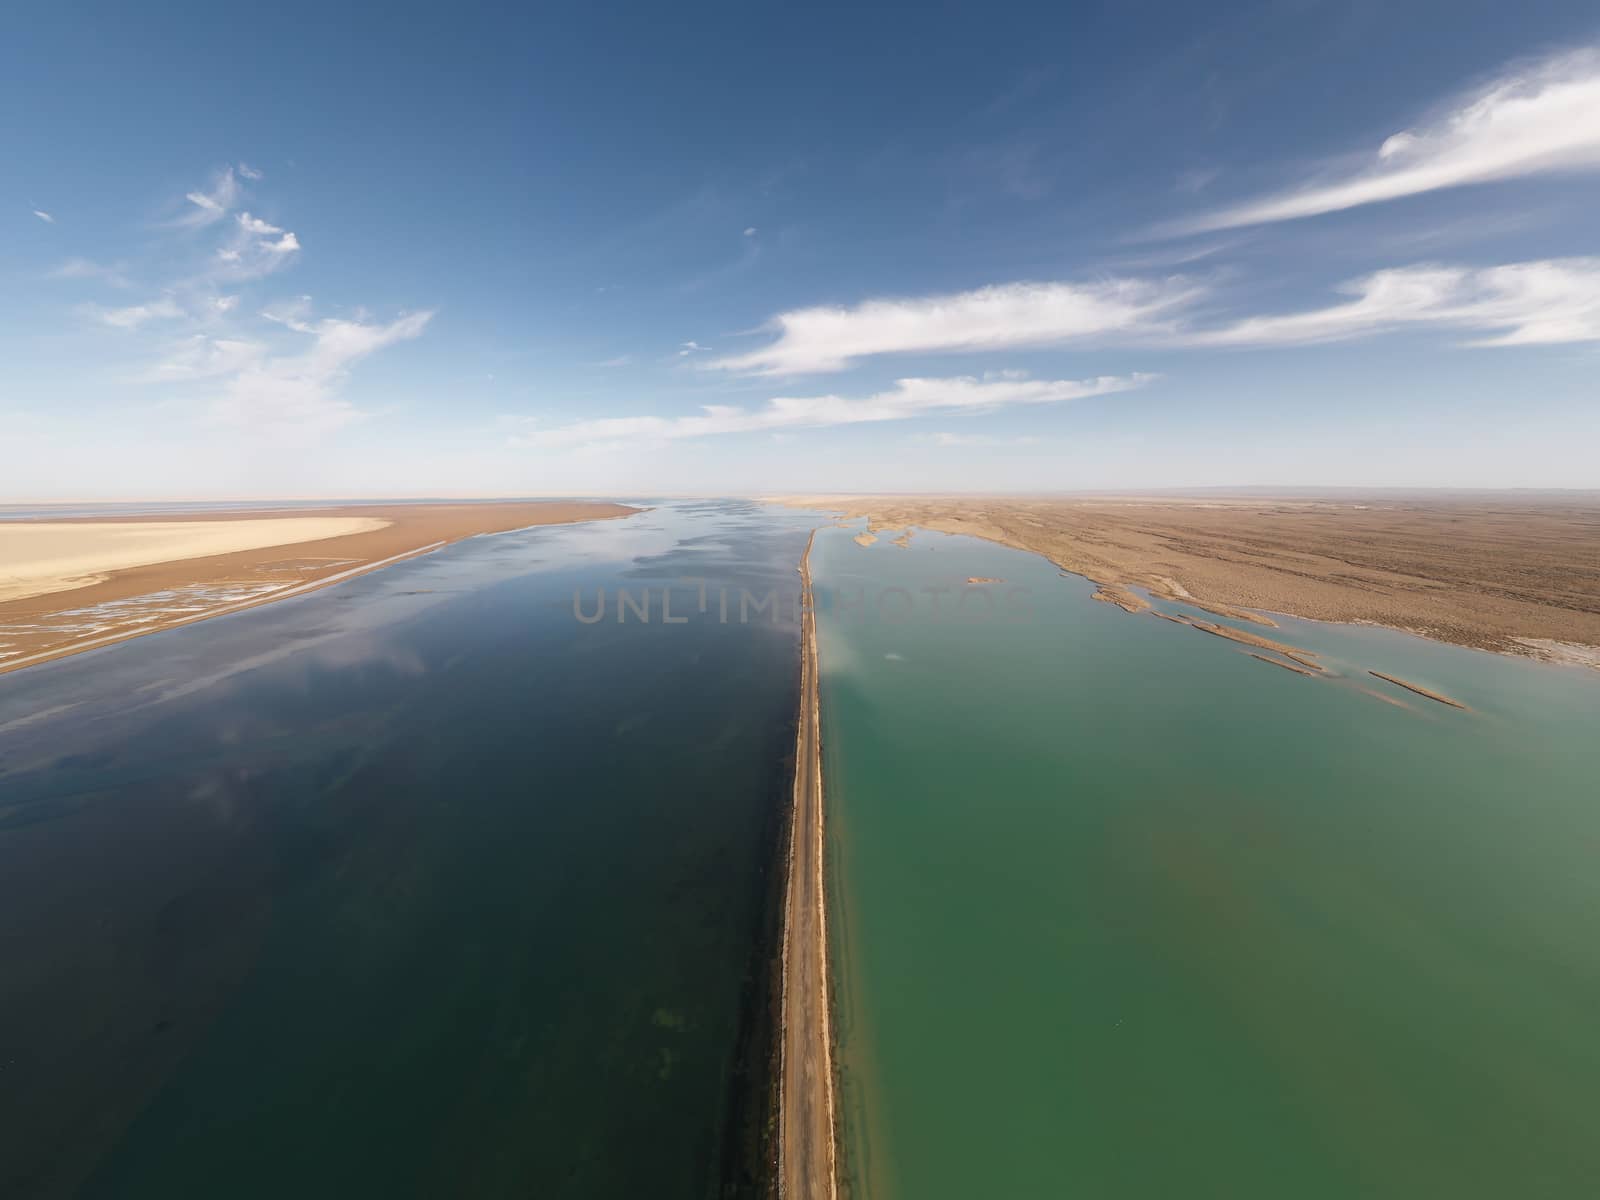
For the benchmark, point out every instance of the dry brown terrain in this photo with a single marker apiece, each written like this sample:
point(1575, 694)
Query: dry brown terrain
point(1510, 572)
point(97, 607)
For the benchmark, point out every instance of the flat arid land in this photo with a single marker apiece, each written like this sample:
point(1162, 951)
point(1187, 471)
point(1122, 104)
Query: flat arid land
point(1512, 572)
point(74, 584)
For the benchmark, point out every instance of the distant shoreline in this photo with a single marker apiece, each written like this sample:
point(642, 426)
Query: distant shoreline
point(1490, 573)
point(52, 620)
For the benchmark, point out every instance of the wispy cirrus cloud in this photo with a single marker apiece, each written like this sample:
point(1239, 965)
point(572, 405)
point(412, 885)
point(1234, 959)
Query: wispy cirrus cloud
point(255, 246)
point(132, 316)
point(298, 394)
point(251, 255)
point(999, 317)
point(1536, 118)
point(211, 204)
point(907, 399)
point(44, 216)
point(1541, 302)
point(1548, 302)
point(256, 225)
point(274, 368)
point(203, 356)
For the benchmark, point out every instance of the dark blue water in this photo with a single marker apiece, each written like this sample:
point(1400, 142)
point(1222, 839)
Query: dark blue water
point(413, 886)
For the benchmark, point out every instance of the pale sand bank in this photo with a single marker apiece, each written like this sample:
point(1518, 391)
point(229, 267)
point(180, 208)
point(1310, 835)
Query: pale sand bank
point(1418, 689)
point(1127, 601)
point(40, 558)
point(80, 584)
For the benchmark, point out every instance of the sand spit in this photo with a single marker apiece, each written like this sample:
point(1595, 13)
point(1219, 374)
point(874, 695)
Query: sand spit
point(903, 541)
point(1504, 571)
point(864, 539)
point(1303, 657)
point(1419, 690)
point(1229, 611)
point(983, 579)
point(1113, 593)
point(147, 574)
point(1278, 662)
point(39, 558)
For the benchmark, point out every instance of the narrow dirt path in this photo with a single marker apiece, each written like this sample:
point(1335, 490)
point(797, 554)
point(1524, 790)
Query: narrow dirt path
point(806, 1169)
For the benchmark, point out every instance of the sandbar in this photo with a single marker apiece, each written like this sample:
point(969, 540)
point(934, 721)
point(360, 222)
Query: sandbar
point(1418, 689)
point(1112, 593)
point(1245, 638)
point(1278, 662)
point(38, 558)
point(81, 583)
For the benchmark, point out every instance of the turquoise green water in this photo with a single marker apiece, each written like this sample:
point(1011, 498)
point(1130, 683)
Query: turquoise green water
point(1122, 912)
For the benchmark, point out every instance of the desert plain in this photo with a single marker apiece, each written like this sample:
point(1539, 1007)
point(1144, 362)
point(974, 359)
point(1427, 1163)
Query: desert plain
point(1511, 572)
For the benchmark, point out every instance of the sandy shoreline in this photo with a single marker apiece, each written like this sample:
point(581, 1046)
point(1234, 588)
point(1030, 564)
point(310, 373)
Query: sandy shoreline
point(38, 558)
point(1504, 572)
point(807, 1167)
point(82, 583)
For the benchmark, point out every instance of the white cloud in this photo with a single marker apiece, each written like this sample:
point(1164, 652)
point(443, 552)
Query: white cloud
point(1000, 317)
point(250, 173)
point(750, 232)
point(284, 383)
point(44, 216)
point(213, 205)
point(294, 313)
point(688, 348)
point(135, 315)
point(1519, 304)
point(1534, 119)
point(908, 398)
point(255, 225)
point(201, 356)
point(298, 396)
point(254, 251)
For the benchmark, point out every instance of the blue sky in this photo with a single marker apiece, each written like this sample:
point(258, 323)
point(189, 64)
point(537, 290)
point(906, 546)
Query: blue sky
point(398, 250)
